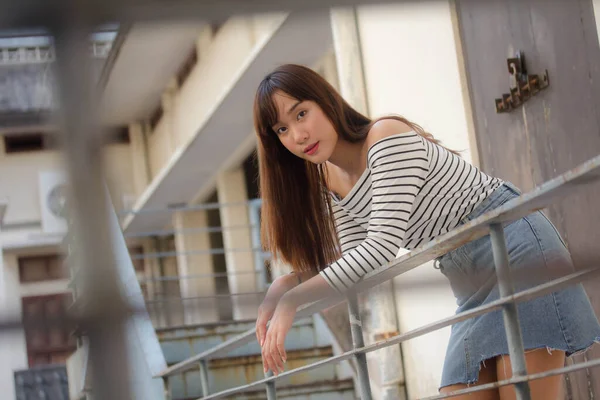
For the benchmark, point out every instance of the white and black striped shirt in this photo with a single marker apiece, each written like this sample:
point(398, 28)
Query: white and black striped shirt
point(411, 192)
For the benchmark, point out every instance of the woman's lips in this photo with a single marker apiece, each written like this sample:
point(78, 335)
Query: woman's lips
point(312, 149)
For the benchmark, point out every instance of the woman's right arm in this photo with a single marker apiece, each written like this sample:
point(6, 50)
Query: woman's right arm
point(350, 234)
point(278, 288)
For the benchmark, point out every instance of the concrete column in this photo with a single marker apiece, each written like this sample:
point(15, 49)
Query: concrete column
point(170, 288)
point(196, 311)
point(329, 67)
point(2, 149)
point(152, 286)
point(163, 311)
point(231, 188)
point(139, 158)
point(378, 305)
point(348, 55)
point(170, 118)
point(203, 42)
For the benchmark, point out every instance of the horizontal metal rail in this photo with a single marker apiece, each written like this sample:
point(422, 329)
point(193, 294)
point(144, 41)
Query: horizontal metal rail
point(194, 207)
point(539, 198)
point(214, 296)
point(165, 254)
point(197, 276)
point(519, 379)
point(519, 297)
point(189, 231)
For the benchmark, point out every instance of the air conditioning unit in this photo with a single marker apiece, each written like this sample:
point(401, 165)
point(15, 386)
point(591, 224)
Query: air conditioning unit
point(53, 195)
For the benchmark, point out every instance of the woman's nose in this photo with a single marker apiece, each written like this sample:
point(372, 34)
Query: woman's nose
point(300, 136)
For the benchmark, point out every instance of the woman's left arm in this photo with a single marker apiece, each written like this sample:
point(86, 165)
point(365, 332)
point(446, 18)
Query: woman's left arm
point(273, 350)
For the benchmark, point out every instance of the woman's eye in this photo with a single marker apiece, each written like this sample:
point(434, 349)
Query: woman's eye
point(281, 130)
point(301, 114)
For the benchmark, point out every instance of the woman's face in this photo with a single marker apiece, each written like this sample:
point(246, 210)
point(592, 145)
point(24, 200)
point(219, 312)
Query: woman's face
point(304, 129)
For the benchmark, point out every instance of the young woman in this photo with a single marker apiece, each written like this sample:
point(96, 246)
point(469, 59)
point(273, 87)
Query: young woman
point(343, 193)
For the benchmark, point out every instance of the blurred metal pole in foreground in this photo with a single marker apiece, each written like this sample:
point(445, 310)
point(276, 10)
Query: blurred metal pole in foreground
point(102, 306)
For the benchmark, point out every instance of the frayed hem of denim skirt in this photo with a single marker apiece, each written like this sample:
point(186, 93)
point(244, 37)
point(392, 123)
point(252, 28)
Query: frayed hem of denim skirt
point(568, 353)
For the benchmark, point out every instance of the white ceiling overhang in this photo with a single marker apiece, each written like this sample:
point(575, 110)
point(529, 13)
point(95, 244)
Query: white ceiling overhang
point(301, 39)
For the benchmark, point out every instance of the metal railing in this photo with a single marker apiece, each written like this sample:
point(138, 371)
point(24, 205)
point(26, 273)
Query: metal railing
point(490, 223)
point(178, 301)
point(70, 22)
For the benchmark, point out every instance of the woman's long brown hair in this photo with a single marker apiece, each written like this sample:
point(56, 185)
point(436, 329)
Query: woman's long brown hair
point(297, 224)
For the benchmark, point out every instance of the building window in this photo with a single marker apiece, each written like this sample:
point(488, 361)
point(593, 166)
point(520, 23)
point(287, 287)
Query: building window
point(49, 340)
point(26, 142)
point(118, 135)
point(42, 268)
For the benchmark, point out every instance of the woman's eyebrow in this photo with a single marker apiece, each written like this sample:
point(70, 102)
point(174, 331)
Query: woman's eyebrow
point(292, 108)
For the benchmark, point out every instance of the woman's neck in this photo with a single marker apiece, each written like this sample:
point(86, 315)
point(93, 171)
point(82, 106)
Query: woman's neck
point(349, 157)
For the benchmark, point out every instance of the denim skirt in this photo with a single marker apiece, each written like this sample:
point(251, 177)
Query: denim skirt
point(563, 320)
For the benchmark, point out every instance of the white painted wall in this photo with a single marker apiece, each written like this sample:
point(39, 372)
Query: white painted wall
point(19, 179)
point(19, 186)
point(411, 68)
point(19, 183)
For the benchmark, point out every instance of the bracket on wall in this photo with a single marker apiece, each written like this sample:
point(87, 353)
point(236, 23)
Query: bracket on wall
point(522, 85)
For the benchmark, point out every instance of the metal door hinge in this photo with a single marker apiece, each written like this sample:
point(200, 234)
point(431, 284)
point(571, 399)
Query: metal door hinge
point(522, 86)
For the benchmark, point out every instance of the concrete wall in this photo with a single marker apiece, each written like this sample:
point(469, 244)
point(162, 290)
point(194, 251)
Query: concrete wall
point(19, 185)
point(412, 69)
point(19, 179)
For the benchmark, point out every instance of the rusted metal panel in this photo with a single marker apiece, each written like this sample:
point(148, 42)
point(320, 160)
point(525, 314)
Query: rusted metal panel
point(551, 133)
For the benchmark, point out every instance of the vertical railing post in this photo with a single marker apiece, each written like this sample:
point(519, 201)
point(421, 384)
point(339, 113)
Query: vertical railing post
point(511, 319)
point(271, 392)
point(259, 261)
point(167, 388)
point(357, 342)
point(204, 377)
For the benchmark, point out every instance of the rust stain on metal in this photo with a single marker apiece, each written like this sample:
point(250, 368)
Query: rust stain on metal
point(385, 335)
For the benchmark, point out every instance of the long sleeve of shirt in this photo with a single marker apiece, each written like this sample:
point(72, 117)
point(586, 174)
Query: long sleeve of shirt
point(350, 233)
point(398, 167)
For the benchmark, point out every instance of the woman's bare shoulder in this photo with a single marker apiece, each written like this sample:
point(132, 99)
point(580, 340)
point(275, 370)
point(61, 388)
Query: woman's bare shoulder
point(385, 128)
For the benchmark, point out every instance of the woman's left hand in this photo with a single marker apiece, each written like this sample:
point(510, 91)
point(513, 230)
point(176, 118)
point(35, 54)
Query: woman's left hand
point(273, 350)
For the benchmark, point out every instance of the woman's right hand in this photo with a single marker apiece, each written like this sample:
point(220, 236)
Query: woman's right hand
point(278, 288)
